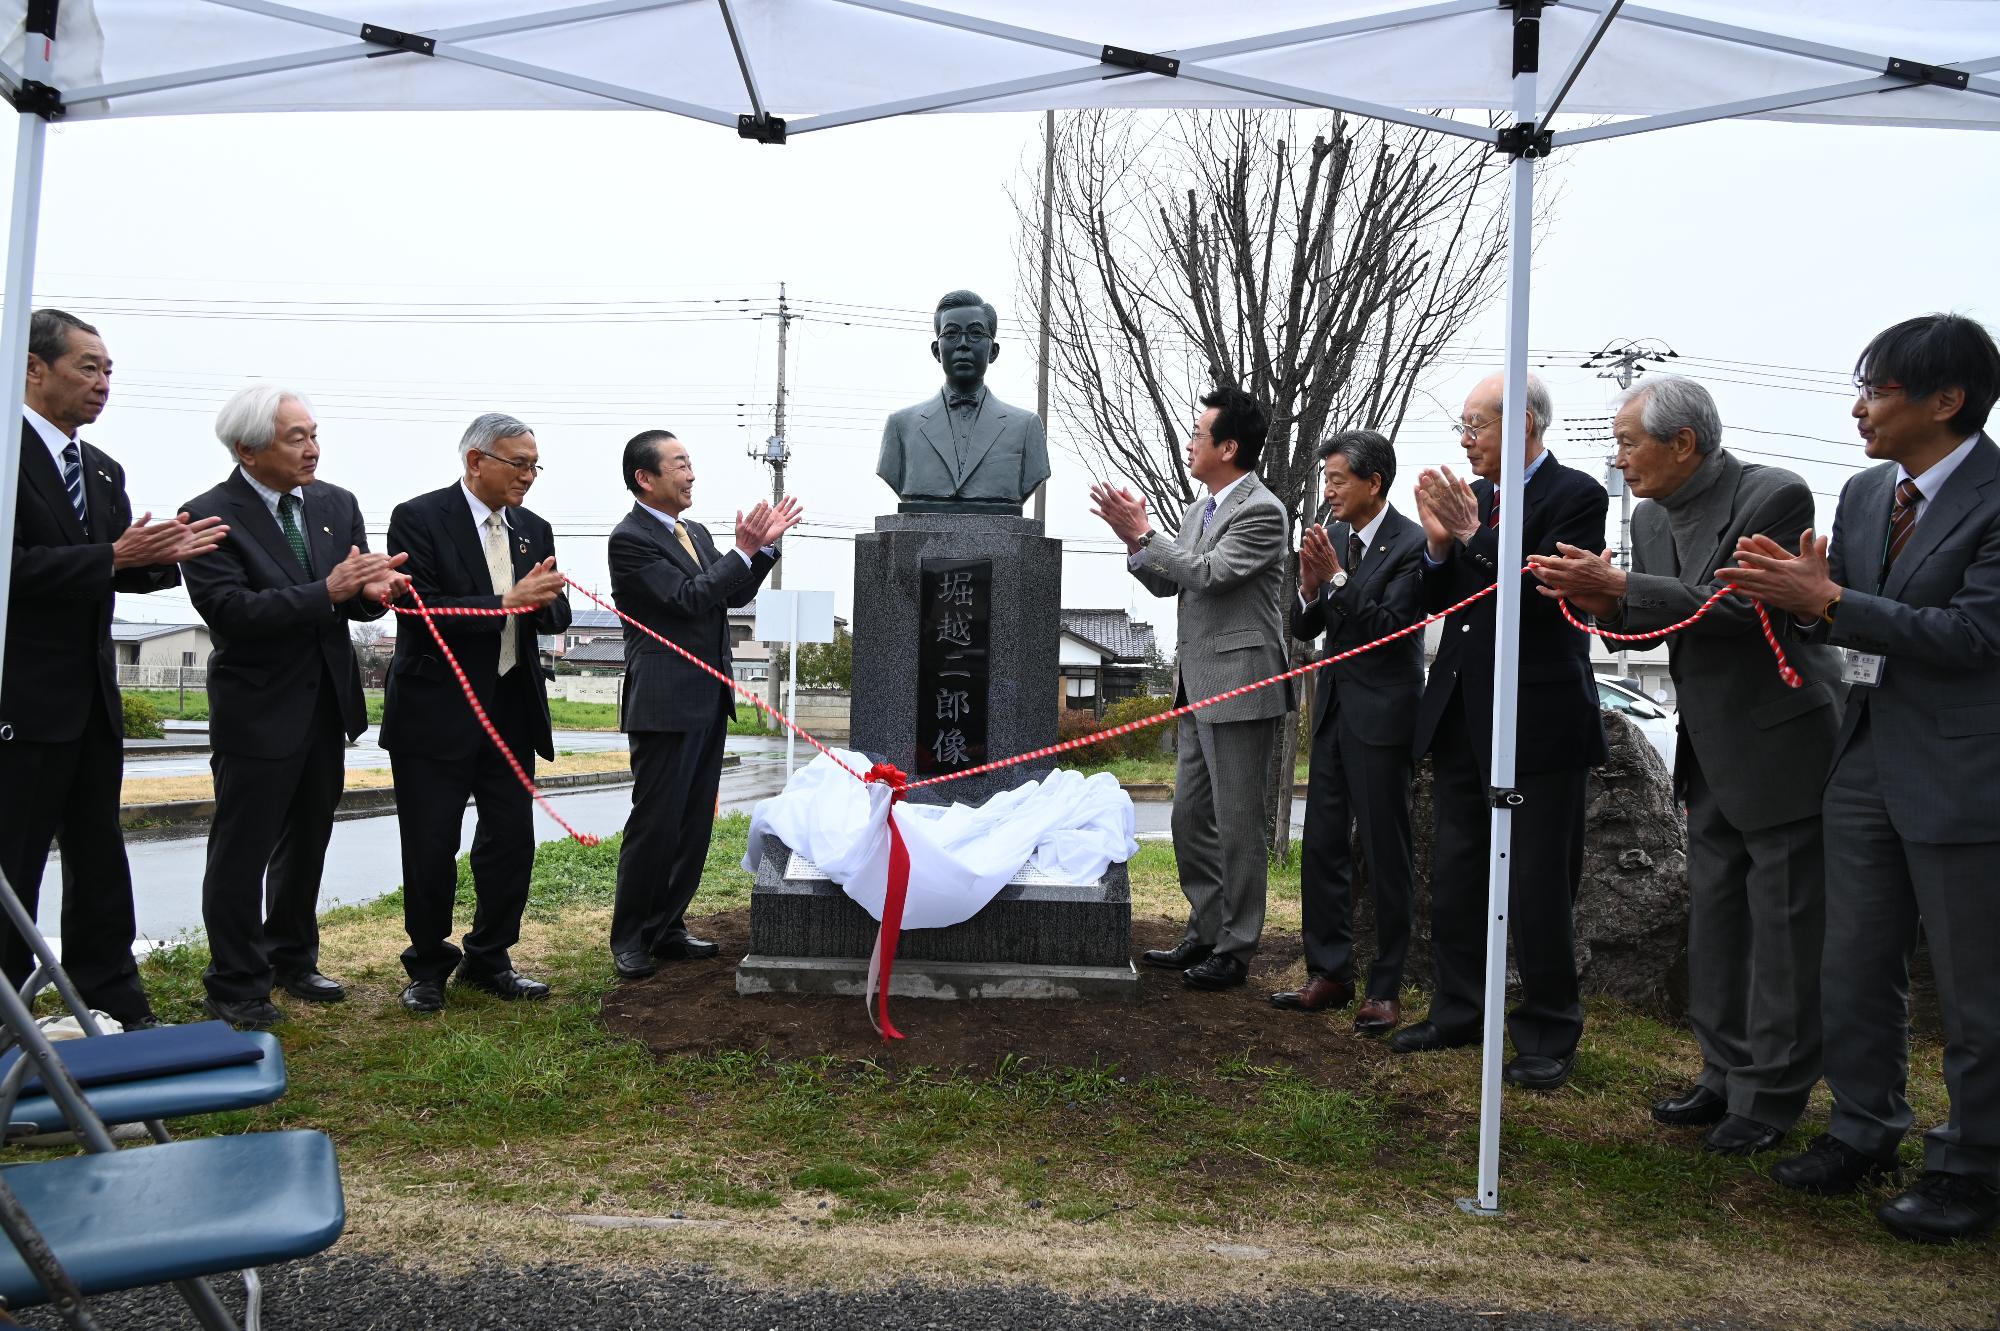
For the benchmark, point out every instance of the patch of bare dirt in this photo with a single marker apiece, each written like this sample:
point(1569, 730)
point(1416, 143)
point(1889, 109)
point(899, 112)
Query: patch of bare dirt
point(693, 1008)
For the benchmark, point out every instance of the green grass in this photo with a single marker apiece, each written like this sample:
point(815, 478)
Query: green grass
point(1159, 769)
point(499, 1110)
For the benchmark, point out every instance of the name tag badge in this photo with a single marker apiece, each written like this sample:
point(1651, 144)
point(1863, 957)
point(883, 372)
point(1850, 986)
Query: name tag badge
point(1864, 668)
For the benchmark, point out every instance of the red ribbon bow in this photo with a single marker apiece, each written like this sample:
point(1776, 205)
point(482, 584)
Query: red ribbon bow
point(897, 892)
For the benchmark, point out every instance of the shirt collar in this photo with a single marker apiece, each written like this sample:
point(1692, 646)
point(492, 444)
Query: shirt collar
point(1932, 482)
point(1534, 466)
point(673, 523)
point(266, 493)
point(479, 510)
point(1221, 496)
point(1367, 533)
point(56, 440)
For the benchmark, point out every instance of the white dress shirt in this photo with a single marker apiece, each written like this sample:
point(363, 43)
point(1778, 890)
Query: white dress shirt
point(270, 496)
point(55, 439)
point(1367, 535)
point(1931, 484)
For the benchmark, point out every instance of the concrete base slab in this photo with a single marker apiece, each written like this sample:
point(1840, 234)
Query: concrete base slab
point(917, 978)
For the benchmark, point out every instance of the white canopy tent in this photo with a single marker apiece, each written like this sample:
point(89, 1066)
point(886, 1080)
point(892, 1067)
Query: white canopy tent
point(773, 69)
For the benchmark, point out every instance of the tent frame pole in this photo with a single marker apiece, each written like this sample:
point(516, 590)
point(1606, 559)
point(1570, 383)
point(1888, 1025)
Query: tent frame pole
point(1507, 637)
point(23, 225)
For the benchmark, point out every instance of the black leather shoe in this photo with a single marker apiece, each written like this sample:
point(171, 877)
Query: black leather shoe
point(1539, 1072)
point(510, 985)
point(424, 997)
point(250, 1014)
point(1830, 1167)
point(634, 965)
point(145, 1021)
point(1737, 1135)
point(1179, 957)
point(1695, 1107)
point(1940, 1207)
point(686, 948)
point(313, 987)
point(1425, 1037)
point(1317, 994)
point(1218, 971)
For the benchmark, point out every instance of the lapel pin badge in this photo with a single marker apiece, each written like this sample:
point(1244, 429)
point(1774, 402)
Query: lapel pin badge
point(524, 547)
point(105, 474)
point(327, 530)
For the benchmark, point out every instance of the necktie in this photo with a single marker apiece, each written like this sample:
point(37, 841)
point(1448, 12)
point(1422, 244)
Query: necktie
point(954, 400)
point(1353, 551)
point(1493, 518)
point(72, 457)
point(1903, 518)
point(1207, 515)
point(501, 569)
point(687, 542)
point(288, 518)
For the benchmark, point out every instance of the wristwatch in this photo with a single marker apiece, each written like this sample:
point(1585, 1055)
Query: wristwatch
point(1339, 579)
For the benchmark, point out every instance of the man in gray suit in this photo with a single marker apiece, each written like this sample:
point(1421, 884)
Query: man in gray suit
point(667, 574)
point(1910, 588)
point(1753, 756)
point(964, 444)
point(1226, 567)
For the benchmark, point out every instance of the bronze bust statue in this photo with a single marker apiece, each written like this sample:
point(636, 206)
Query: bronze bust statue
point(964, 448)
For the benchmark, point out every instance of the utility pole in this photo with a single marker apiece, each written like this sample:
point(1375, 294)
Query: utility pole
point(1622, 362)
point(1048, 264)
point(775, 454)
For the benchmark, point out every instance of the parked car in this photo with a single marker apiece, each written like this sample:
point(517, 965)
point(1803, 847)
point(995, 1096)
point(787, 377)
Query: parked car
point(1654, 720)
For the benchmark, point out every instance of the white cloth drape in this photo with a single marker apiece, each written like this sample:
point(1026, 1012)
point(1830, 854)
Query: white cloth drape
point(1069, 826)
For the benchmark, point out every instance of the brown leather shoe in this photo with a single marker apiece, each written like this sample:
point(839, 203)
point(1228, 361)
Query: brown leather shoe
point(1378, 1016)
point(1317, 994)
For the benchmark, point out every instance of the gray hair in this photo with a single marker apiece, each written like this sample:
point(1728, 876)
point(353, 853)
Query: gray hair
point(1541, 407)
point(249, 420)
point(1368, 455)
point(48, 333)
point(487, 431)
point(1671, 404)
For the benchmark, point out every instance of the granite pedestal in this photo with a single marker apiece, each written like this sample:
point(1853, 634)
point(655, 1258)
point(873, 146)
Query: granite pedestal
point(1039, 938)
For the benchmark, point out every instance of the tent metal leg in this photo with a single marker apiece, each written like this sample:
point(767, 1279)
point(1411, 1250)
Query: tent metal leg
point(23, 218)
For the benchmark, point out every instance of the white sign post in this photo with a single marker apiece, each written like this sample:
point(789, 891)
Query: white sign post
point(793, 617)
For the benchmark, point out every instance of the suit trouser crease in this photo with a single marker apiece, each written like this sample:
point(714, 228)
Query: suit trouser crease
point(266, 856)
point(1882, 886)
point(1756, 927)
point(1219, 779)
point(71, 790)
point(1545, 867)
point(1366, 786)
point(431, 793)
point(676, 775)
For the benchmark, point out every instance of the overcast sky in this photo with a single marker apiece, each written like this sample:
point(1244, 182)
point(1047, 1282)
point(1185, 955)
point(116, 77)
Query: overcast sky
point(599, 273)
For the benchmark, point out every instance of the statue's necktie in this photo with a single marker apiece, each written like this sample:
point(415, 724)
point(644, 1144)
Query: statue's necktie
point(1903, 518)
point(501, 569)
point(72, 457)
point(288, 518)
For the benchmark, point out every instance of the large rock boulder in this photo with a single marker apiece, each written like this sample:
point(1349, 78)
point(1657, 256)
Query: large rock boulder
point(1631, 910)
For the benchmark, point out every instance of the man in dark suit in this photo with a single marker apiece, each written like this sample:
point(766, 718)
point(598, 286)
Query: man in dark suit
point(1359, 581)
point(471, 545)
point(668, 574)
point(62, 727)
point(284, 697)
point(1751, 760)
point(1559, 738)
point(1910, 590)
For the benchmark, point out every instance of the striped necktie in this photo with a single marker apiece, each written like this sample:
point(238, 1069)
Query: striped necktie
point(1903, 518)
point(288, 518)
point(72, 459)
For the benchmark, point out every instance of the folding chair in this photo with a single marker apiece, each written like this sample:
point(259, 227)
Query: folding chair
point(170, 1212)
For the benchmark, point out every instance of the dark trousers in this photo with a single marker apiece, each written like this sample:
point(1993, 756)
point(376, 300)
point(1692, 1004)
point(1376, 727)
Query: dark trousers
point(1366, 785)
point(430, 805)
point(1546, 868)
point(1756, 922)
point(676, 774)
point(1881, 888)
point(266, 848)
point(71, 790)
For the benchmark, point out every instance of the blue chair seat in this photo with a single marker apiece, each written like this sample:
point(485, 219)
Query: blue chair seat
point(242, 1085)
point(176, 1210)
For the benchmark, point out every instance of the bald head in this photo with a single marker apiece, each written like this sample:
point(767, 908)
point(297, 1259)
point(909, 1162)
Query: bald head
point(1481, 423)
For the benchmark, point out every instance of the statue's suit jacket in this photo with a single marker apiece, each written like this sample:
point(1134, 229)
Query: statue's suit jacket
point(1936, 712)
point(1764, 748)
point(1228, 580)
point(1009, 456)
